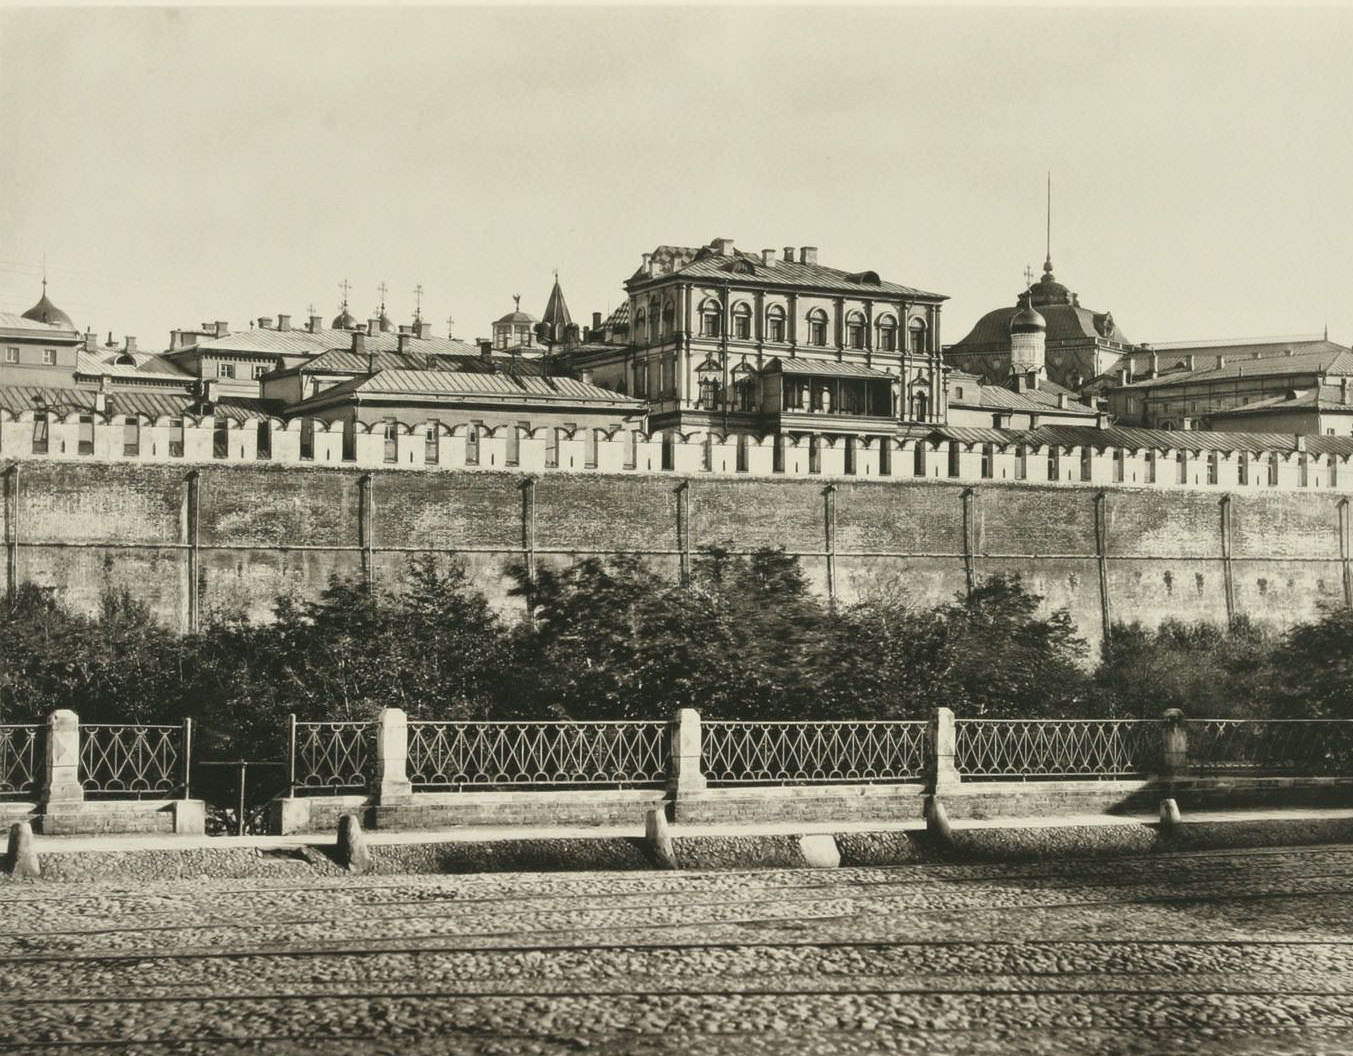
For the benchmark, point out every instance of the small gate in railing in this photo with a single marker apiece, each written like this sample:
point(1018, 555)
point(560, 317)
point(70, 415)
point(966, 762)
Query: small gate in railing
point(332, 757)
point(485, 755)
point(20, 757)
point(738, 752)
point(1063, 748)
point(135, 760)
point(1309, 747)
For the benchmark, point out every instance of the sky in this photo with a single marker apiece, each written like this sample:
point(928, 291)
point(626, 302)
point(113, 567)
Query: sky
point(176, 165)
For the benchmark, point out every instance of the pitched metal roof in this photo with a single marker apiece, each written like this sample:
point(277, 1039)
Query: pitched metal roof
point(1256, 361)
point(826, 368)
point(305, 342)
point(144, 366)
point(1148, 439)
point(1065, 322)
point(741, 267)
point(1324, 398)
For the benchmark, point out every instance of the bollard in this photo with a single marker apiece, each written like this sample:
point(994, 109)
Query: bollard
point(353, 853)
point(819, 851)
point(23, 857)
point(659, 838)
point(1169, 815)
point(936, 819)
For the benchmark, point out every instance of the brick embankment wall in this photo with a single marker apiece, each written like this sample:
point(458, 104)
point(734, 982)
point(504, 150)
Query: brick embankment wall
point(233, 537)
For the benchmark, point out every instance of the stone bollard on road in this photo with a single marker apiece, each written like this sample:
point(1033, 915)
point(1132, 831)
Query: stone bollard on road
point(937, 819)
point(353, 853)
point(659, 838)
point(23, 857)
point(819, 851)
point(1169, 815)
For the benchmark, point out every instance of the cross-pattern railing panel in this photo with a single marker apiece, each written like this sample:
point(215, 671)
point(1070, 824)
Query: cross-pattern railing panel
point(737, 752)
point(333, 756)
point(1315, 747)
point(1036, 748)
point(20, 757)
point(488, 754)
point(131, 760)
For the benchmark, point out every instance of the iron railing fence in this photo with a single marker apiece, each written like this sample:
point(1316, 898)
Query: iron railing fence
point(486, 755)
point(783, 753)
point(1310, 747)
point(118, 760)
point(331, 757)
point(1065, 748)
point(20, 757)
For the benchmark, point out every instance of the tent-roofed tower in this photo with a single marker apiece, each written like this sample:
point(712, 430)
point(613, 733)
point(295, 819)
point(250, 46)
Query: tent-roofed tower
point(556, 327)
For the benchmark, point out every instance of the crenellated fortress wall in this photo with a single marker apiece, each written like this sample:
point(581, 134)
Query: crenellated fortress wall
point(195, 533)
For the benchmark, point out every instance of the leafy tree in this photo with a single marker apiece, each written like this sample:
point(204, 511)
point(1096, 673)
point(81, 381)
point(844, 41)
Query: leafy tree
point(1310, 672)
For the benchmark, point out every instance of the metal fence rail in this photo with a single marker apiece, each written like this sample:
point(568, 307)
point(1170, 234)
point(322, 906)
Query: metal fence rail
point(488, 754)
point(134, 760)
point(20, 756)
point(1018, 748)
point(734, 752)
point(331, 757)
point(1315, 747)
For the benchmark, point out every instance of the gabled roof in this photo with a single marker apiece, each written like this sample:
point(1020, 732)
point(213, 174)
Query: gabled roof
point(149, 403)
point(741, 267)
point(1254, 361)
point(144, 366)
point(15, 321)
point(312, 343)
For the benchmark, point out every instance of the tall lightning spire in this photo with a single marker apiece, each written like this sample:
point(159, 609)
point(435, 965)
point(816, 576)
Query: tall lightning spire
point(1047, 259)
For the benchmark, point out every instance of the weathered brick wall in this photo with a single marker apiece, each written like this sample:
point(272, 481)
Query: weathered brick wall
point(261, 531)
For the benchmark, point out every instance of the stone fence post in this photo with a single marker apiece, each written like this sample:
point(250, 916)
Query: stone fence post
point(683, 765)
point(392, 756)
point(61, 778)
point(1174, 746)
point(940, 768)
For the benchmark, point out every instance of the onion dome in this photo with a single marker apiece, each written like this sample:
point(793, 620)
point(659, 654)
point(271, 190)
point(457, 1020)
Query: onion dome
point(46, 312)
point(344, 320)
point(1027, 320)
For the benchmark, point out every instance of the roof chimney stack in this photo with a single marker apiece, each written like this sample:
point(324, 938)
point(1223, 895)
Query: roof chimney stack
point(131, 345)
point(316, 324)
point(424, 330)
point(284, 322)
point(92, 340)
point(358, 343)
point(373, 326)
point(222, 328)
point(768, 257)
point(723, 246)
point(1343, 389)
point(1188, 362)
point(1221, 362)
point(486, 350)
point(808, 255)
point(596, 320)
point(265, 322)
point(647, 266)
point(789, 254)
point(402, 339)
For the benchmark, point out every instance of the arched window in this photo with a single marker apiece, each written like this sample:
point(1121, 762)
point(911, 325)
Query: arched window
point(711, 319)
point(817, 327)
point(744, 389)
point(775, 323)
point(855, 330)
point(742, 321)
point(887, 334)
point(918, 337)
point(920, 406)
point(641, 324)
point(709, 394)
point(654, 333)
point(668, 319)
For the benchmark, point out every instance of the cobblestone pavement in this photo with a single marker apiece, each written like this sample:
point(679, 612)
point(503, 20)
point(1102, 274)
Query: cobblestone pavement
point(1242, 952)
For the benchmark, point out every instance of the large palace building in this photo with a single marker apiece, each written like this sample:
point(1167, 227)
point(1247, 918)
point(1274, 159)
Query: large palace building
point(724, 340)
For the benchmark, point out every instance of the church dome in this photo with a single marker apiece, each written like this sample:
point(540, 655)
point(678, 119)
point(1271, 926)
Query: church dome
point(1027, 320)
point(344, 320)
point(519, 317)
point(46, 312)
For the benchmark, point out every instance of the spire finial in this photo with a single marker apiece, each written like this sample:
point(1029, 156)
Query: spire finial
point(1047, 259)
point(516, 302)
point(1028, 277)
point(381, 289)
point(450, 326)
point(345, 285)
point(44, 273)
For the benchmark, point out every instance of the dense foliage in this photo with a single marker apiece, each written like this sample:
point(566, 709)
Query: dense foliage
point(745, 637)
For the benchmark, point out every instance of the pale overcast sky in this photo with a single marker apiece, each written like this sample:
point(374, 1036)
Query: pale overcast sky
point(178, 165)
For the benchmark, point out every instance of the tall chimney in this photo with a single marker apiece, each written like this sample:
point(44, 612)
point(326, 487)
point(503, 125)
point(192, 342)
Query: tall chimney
point(92, 340)
point(131, 345)
point(808, 255)
point(596, 320)
point(373, 326)
point(316, 324)
point(403, 339)
point(424, 330)
point(768, 257)
point(284, 322)
point(358, 343)
point(789, 254)
point(486, 350)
